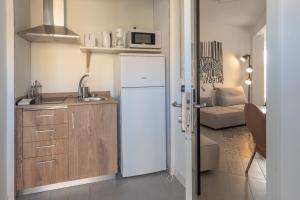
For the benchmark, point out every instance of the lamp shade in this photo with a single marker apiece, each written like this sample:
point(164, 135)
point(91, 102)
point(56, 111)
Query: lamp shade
point(249, 70)
point(248, 81)
point(244, 58)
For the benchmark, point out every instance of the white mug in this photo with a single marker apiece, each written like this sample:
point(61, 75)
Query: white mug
point(120, 37)
point(89, 40)
point(119, 33)
point(106, 39)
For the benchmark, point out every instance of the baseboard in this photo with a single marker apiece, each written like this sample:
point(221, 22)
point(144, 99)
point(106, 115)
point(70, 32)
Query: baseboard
point(65, 185)
point(180, 177)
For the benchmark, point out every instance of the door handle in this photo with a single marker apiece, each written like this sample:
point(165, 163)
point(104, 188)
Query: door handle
point(176, 105)
point(197, 106)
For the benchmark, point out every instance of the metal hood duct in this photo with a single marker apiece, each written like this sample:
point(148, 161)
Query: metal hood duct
point(53, 29)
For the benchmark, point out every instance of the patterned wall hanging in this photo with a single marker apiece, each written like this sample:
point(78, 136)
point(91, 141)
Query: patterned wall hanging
point(211, 63)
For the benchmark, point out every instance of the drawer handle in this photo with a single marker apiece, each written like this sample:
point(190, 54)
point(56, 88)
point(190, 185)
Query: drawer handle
point(46, 146)
point(39, 116)
point(45, 162)
point(73, 125)
point(45, 131)
point(46, 108)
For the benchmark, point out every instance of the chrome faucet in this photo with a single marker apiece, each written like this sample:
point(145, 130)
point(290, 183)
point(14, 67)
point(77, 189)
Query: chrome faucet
point(83, 91)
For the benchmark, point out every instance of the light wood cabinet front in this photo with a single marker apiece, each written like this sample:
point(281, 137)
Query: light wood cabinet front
point(65, 144)
point(44, 117)
point(45, 148)
point(92, 140)
point(44, 133)
point(45, 170)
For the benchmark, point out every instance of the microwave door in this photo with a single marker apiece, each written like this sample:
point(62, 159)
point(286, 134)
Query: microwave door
point(143, 38)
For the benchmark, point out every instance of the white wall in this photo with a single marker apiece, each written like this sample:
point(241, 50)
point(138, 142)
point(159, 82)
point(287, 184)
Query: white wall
point(59, 66)
point(162, 23)
point(3, 110)
point(258, 31)
point(236, 42)
point(22, 48)
point(258, 89)
point(260, 24)
point(283, 43)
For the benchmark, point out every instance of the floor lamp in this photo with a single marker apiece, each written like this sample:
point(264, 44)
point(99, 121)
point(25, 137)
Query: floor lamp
point(249, 71)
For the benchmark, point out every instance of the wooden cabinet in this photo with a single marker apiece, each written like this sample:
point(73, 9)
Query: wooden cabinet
point(42, 133)
point(45, 170)
point(92, 140)
point(58, 145)
point(44, 117)
point(42, 147)
point(45, 148)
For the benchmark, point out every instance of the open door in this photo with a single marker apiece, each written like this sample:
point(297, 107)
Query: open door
point(190, 96)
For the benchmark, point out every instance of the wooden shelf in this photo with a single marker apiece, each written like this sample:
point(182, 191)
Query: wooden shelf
point(118, 50)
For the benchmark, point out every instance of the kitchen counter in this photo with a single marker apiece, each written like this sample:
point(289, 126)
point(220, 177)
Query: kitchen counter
point(70, 99)
point(54, 140)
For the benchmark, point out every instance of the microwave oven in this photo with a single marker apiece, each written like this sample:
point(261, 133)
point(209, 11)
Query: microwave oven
point(144, 39)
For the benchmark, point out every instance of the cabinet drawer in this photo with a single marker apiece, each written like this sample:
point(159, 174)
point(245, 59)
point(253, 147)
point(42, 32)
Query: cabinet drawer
point(42, 133)
point(45, 117)
point(45, 170)
point(44, 148)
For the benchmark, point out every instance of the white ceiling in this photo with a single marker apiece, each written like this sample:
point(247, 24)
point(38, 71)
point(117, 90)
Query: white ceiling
point(233, 12)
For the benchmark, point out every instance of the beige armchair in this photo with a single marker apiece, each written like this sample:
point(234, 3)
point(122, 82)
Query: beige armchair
point(256, 122)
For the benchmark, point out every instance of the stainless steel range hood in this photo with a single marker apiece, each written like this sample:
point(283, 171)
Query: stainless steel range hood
point(53, 29)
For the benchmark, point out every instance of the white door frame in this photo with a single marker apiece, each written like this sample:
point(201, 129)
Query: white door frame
point(283, 95)
point(187, 76)
point(177, 138)
point(10, 99)
point(181, 143)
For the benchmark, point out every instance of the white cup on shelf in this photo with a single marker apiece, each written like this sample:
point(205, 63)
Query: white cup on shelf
point(89, 40)
point(106, 39)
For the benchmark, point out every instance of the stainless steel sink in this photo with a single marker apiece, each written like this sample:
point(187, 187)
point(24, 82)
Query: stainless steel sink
point(55, 100)
point(95, 99)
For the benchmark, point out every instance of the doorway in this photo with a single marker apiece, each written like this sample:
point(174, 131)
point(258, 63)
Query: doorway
point(233, 141)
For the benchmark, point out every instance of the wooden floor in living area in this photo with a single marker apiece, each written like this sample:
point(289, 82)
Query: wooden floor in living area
point(227, 183)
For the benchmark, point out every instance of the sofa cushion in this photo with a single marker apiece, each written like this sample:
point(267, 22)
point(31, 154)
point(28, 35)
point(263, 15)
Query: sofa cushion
point(218, 117)
point(230, 96)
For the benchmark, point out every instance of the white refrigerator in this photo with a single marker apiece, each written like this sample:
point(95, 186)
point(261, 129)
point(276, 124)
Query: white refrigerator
point(142, 113)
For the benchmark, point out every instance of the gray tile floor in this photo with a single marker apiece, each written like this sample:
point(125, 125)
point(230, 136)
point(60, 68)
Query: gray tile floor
point(227, 183)
point(150, 187)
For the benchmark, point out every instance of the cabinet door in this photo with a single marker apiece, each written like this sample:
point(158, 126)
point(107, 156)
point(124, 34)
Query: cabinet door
point(92, 140)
